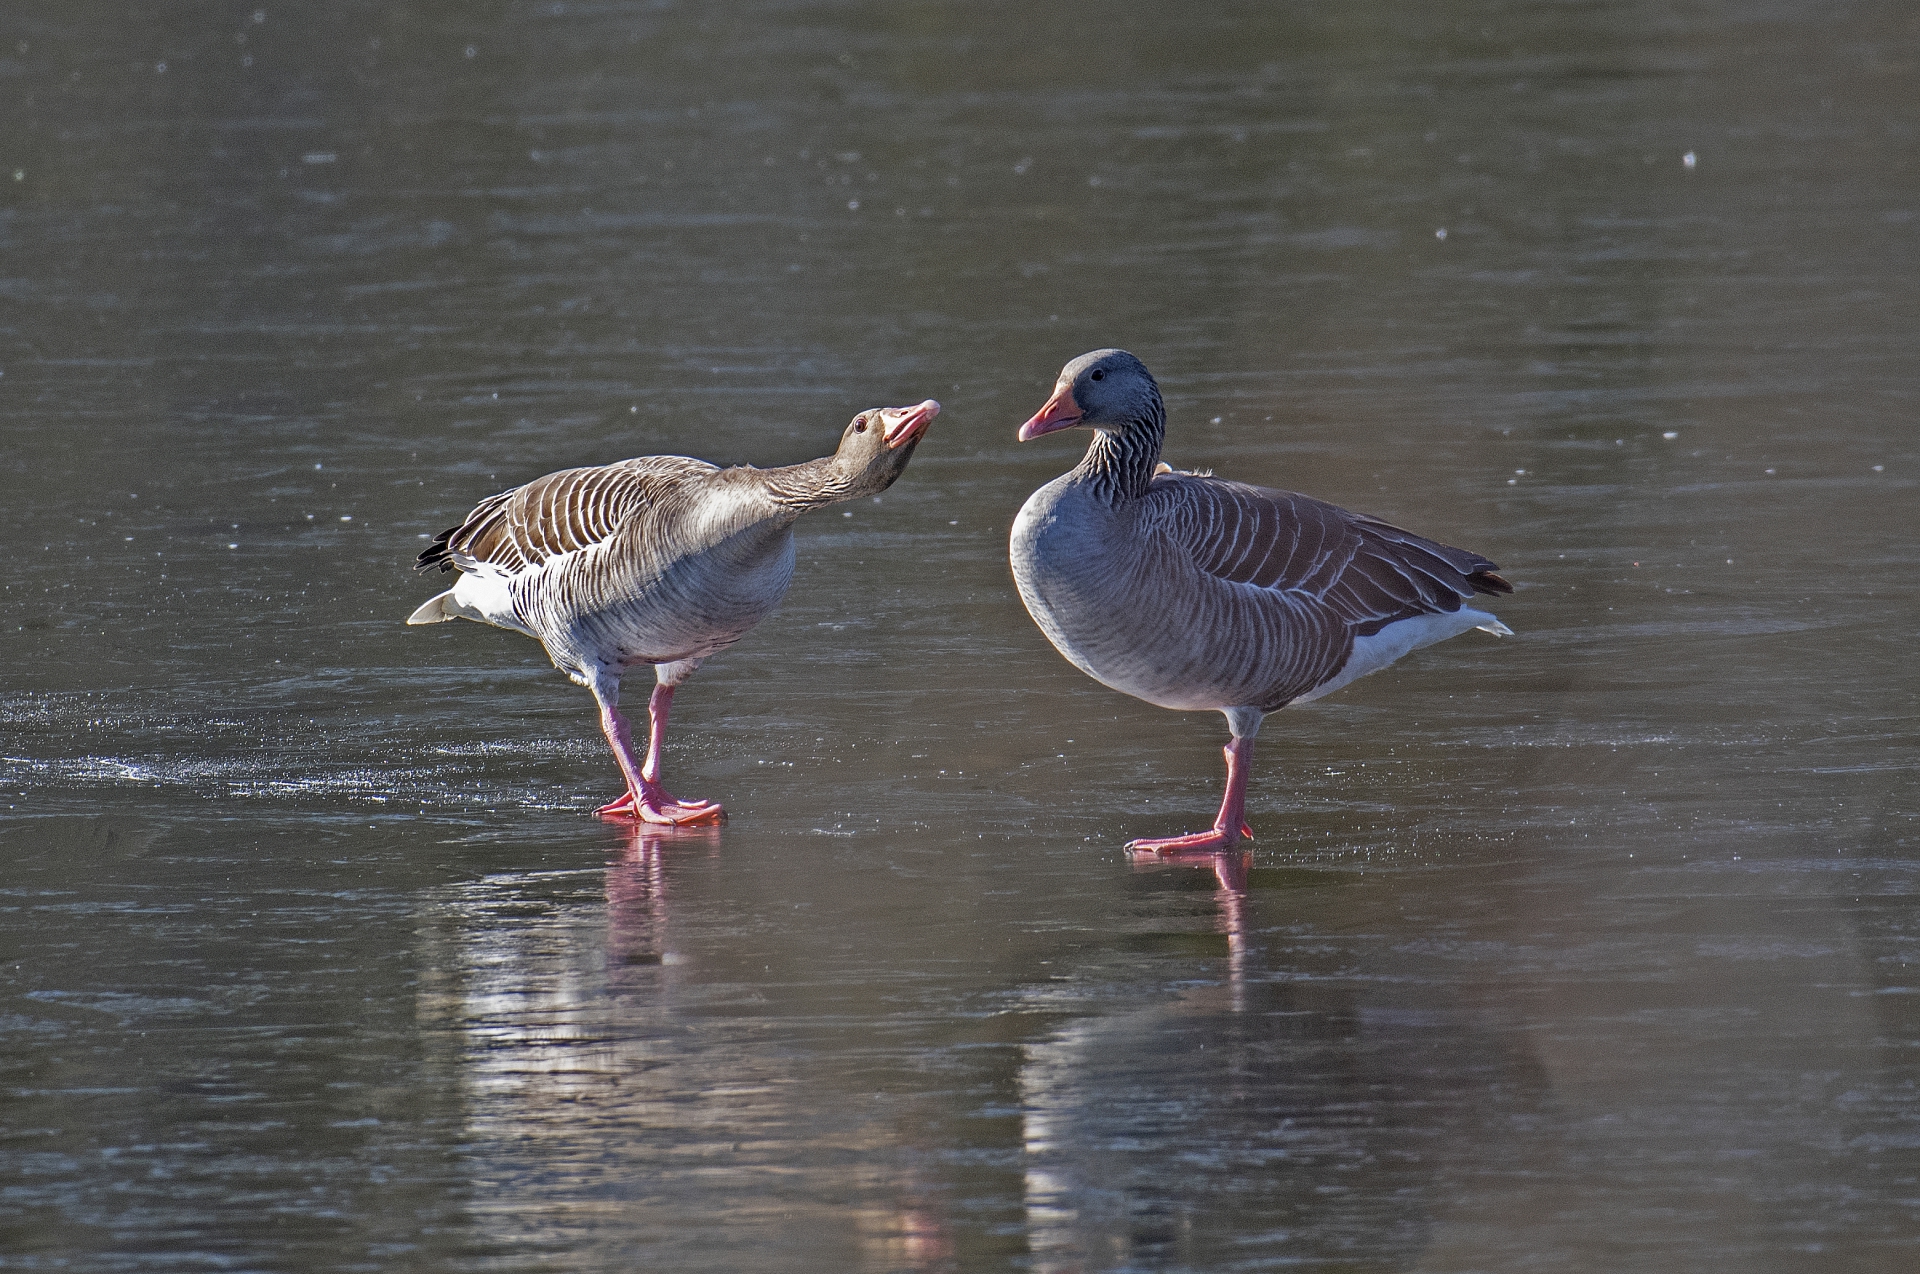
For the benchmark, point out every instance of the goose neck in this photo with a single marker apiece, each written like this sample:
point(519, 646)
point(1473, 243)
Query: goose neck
point(1119, 463)
point(812, 485)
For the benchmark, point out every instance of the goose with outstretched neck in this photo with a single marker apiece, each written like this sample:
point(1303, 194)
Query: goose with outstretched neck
point(661, 560)
point(1195, 592)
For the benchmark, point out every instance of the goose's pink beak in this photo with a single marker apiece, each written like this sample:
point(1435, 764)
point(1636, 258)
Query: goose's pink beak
point(1061, 412)
point(904, 424)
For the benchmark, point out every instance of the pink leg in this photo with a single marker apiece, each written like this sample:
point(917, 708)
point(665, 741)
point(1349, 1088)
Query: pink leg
point(646, 800)
point(1228, 826)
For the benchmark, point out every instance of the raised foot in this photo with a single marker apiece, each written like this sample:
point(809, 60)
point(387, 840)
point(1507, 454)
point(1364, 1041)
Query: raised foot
point(1194, 842)
point(659, 806)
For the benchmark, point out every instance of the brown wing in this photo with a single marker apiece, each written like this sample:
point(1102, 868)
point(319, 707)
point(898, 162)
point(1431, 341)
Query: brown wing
point(563, 512)
point(1368, 572)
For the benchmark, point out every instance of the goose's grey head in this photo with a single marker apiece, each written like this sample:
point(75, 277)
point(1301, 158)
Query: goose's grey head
point(1109, 390)
point(878, 442)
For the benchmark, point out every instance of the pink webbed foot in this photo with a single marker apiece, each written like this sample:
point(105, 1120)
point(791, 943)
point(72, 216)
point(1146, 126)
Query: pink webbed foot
point(1213, 839)
point(657, 805)
point(1233, 808)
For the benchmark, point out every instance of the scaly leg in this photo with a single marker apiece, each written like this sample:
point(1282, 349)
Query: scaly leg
point(646, 800)
point(1231, 823)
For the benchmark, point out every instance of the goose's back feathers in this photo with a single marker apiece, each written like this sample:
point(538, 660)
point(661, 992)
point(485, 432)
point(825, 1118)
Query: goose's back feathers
point(1208, 593)
point(564, 512)
point(659, 559)
point(1369, 572)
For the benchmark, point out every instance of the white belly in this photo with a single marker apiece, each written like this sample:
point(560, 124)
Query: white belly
point(591, 617)
point(1370, 654)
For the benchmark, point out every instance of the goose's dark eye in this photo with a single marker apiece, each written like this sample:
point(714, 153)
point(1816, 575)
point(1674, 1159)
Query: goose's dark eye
point(1099, 375)
point(860, 425)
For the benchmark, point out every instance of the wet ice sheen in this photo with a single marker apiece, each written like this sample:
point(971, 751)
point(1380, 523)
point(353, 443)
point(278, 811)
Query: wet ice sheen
point(1589, 950)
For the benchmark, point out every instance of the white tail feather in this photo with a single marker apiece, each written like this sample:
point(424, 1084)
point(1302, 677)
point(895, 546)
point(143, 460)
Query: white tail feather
point(440, 609)
point(1497, 628)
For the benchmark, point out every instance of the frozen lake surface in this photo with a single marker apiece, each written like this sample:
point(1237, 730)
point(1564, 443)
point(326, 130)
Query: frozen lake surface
point(1590, 949)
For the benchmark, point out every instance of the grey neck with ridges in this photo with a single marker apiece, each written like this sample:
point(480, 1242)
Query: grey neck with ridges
point(1119, 466)
point(812, 485)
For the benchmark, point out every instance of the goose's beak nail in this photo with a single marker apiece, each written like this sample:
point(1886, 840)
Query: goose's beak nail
point(904, 424)
point(1061, 412)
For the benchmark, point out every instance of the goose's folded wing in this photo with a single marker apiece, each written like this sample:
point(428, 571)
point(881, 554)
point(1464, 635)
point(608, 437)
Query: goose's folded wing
point(1370, 573)
point(564, 512)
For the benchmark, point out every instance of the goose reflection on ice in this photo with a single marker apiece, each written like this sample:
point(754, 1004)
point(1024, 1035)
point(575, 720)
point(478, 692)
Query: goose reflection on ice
point(1233, 1123)
point(637, 895)
point(1230, 868)
point(527, 968)
point(632, 1081)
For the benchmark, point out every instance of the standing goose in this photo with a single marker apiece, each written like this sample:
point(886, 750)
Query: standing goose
point(662, 560)
point(1190, 591)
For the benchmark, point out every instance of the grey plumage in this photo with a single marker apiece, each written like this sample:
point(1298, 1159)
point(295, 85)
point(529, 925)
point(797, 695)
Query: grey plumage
point(661, 560)
point(1196, 592)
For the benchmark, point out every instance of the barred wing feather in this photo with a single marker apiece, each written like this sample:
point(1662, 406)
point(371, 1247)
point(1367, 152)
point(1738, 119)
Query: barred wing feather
point(561, 513)
point(1368, 572)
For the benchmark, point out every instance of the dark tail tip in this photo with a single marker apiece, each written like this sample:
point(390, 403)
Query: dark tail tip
point(437, 553)
point(1488, 582)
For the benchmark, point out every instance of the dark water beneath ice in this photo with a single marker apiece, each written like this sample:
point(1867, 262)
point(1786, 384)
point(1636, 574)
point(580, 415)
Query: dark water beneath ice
point(1584, 950)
